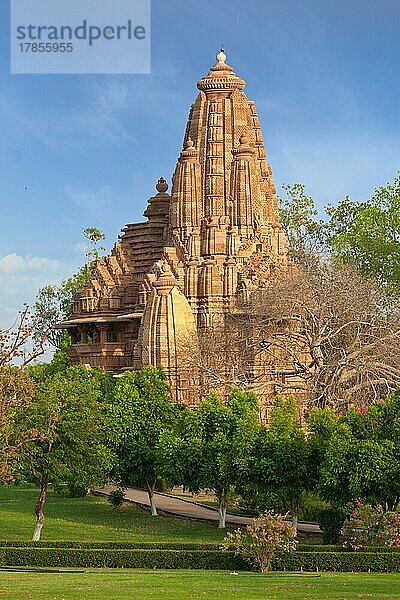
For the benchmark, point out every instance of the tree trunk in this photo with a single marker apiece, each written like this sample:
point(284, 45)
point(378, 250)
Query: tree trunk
point(44, 483)
point(222, 502)
point(150, 491)
point(222, 515)
point(294, 522)
point(295, 513)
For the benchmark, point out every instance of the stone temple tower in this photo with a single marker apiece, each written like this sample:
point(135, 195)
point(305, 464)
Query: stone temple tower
point(203, 246)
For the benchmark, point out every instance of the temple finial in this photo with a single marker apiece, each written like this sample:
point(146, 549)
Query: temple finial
point(161, 186)
point(221, 56)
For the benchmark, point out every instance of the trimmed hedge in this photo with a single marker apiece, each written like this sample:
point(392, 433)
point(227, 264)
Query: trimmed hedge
point(337, 548)
point(339, 561)
point(174, 546)
point(110, 545)
point(194, 559)
point(133, 559)
point(158, 555)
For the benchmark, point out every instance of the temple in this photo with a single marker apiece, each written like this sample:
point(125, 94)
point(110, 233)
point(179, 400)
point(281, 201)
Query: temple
point(204, 244)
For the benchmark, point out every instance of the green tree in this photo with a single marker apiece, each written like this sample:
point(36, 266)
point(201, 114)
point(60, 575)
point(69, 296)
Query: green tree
point(94, 236)
point(362, 457)
point(364, 234)
point(293, 470)
point(142, 412)
point(304, 232)
point(360, 468)
point(70, 445)
point(280, 468)
point(212, 445)
point(321, 425)
point(382, 419)
point(367, 234)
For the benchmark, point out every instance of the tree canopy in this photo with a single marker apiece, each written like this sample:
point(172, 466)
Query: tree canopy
point(70, 445)
point(363, 234)
point(212, 445)
point(361, 457)
point(141, 412)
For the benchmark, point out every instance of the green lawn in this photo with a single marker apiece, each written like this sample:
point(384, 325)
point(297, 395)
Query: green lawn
point(210, 585)
point(93, 519)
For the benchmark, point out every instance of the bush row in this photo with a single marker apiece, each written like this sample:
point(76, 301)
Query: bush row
point(339, 561)
point(135, 559)
point(195, 559)
point(338, 548)
point(110, 545)
point(174, 546)
point(141, 545)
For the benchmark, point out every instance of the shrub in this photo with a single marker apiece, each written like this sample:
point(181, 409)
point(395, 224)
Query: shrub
point(367, 525)
point(338, 548)
point(264, 539)
point(135, 559)
point(384, 562)
point(76, 490)
point(330, 521)
point(381, 560)
point(111, 545)
point(311, 506)
point(116, 498)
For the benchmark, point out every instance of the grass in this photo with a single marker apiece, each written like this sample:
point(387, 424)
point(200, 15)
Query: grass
point(206, 497)
point(93, 519)
point(210, 585)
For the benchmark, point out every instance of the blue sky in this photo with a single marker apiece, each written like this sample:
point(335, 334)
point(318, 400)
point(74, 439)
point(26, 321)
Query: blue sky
point(325, 77)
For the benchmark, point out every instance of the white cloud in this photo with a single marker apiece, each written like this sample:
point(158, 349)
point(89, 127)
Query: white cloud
point(20, 279)
point(15, 264)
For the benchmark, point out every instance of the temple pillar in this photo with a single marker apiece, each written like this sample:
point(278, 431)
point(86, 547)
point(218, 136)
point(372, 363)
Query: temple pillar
point(83, 333)
point(230, 277)
point(102, 327)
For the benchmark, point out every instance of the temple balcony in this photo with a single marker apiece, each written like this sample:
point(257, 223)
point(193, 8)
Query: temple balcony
point(90, 304)
point(107, 355)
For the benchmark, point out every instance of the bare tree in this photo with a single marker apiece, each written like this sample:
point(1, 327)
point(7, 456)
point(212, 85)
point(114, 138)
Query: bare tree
point(16, 393)
point(16, 389)
point(214, 353)
point(17, 342)
point(328, 333)
point(322, 333)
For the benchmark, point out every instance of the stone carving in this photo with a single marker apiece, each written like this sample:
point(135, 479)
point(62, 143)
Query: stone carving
point(203, 246)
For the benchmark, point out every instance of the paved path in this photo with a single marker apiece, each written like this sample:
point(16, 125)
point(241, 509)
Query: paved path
point(184, 508)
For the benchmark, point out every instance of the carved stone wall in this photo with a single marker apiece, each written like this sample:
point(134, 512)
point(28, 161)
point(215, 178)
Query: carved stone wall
point(202, 247)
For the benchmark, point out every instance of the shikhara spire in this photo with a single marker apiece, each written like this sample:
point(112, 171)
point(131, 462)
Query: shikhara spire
point(235, 179)
point(204, 245)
